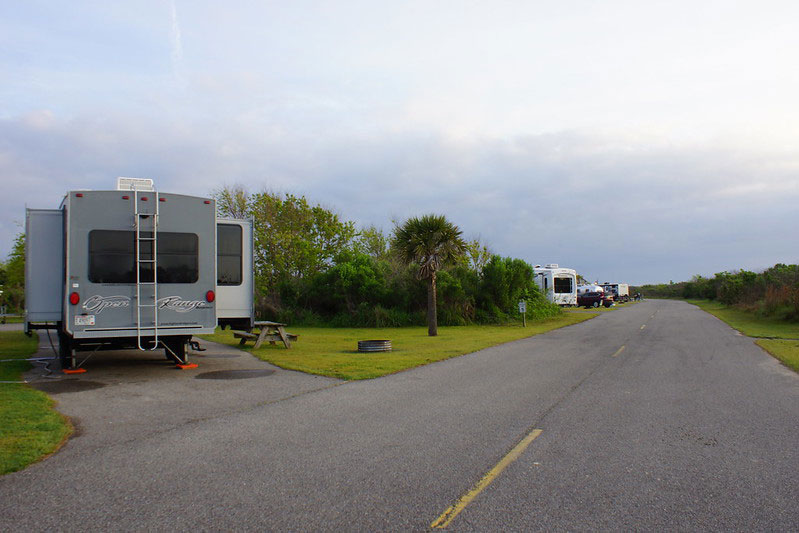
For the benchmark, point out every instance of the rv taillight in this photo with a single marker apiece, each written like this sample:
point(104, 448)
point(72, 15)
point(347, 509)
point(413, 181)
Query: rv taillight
point(144, 198)
point(79, 195)
point(126, 197)
point(162, 199)
point(74, 298)
point(210, 296)
point(207, 202)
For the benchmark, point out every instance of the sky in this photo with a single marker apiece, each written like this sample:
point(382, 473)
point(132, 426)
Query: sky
point(636, 142)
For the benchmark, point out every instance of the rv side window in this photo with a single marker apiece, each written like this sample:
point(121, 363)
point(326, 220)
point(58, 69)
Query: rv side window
point(563, 285)
point(112, 257)
point(228, 254)
point(546, 283)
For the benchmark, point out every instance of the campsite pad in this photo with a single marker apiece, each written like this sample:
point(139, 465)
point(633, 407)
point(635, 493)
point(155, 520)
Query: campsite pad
point(128, 394)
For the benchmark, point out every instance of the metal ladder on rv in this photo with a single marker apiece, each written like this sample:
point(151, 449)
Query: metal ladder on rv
point(146, 222)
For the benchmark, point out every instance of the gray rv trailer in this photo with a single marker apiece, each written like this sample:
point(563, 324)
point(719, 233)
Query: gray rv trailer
point(122, 269)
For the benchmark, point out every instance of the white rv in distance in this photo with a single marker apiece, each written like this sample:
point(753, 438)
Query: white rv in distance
point(620, 291)
point(558, 285)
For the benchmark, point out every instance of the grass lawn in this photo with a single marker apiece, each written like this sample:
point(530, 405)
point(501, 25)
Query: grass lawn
point(30, 429)
point(750, 324)
point(334, 351)
point(777, 337)
point(785, 351)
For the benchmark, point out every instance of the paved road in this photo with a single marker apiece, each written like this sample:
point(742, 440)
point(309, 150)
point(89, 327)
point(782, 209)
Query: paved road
point(690, 426)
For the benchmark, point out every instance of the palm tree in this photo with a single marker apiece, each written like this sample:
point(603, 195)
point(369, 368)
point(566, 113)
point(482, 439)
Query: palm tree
point(428, 242)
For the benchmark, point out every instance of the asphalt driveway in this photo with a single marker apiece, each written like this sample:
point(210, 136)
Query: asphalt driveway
point(130, 394)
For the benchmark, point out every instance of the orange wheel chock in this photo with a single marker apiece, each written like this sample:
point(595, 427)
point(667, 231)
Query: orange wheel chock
point(73, 370)
point(187, 366)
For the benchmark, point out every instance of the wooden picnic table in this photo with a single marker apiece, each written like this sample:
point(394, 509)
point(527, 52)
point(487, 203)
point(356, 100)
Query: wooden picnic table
point(267, 331)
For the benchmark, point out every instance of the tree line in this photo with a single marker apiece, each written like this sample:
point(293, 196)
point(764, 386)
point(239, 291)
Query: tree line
point(773, 292)
point(12, 277)
point(313, 267)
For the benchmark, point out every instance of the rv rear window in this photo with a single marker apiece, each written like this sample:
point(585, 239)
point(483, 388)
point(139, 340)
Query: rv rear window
point(563, 285)
point(228, 254)
point(112, 257)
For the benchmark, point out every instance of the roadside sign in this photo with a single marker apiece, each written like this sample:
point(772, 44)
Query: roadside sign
point(522, 306)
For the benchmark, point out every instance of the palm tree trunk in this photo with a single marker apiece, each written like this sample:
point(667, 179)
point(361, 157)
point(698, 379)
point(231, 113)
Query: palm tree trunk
point(432, 316)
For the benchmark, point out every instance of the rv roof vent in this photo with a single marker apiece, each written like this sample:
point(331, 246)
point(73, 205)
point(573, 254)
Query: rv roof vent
point(134, 184)
point(552, 265)
point(537, 266)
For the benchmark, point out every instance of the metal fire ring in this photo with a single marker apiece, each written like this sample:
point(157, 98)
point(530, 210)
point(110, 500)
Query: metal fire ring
point(374, 346)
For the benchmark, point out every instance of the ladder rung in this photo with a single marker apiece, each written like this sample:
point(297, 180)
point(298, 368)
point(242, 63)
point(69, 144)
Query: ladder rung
point(146, 305)
point(147, 283)
point(146, 260)
point(146, 238)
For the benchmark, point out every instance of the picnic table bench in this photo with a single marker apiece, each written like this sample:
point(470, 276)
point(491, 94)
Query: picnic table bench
point(267, 331)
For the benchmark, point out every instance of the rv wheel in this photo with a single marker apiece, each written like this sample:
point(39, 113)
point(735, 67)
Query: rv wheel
point(175, 350)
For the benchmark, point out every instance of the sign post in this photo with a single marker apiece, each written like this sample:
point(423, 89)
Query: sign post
point(523, 311)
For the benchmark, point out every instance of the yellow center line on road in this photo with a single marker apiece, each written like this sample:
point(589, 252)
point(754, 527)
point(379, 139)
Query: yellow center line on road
point(447, 516)
point(619, 351)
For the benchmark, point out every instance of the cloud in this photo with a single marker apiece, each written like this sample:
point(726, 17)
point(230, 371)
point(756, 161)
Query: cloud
point(610, 207)
point(177, 43)
point(176, 54)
